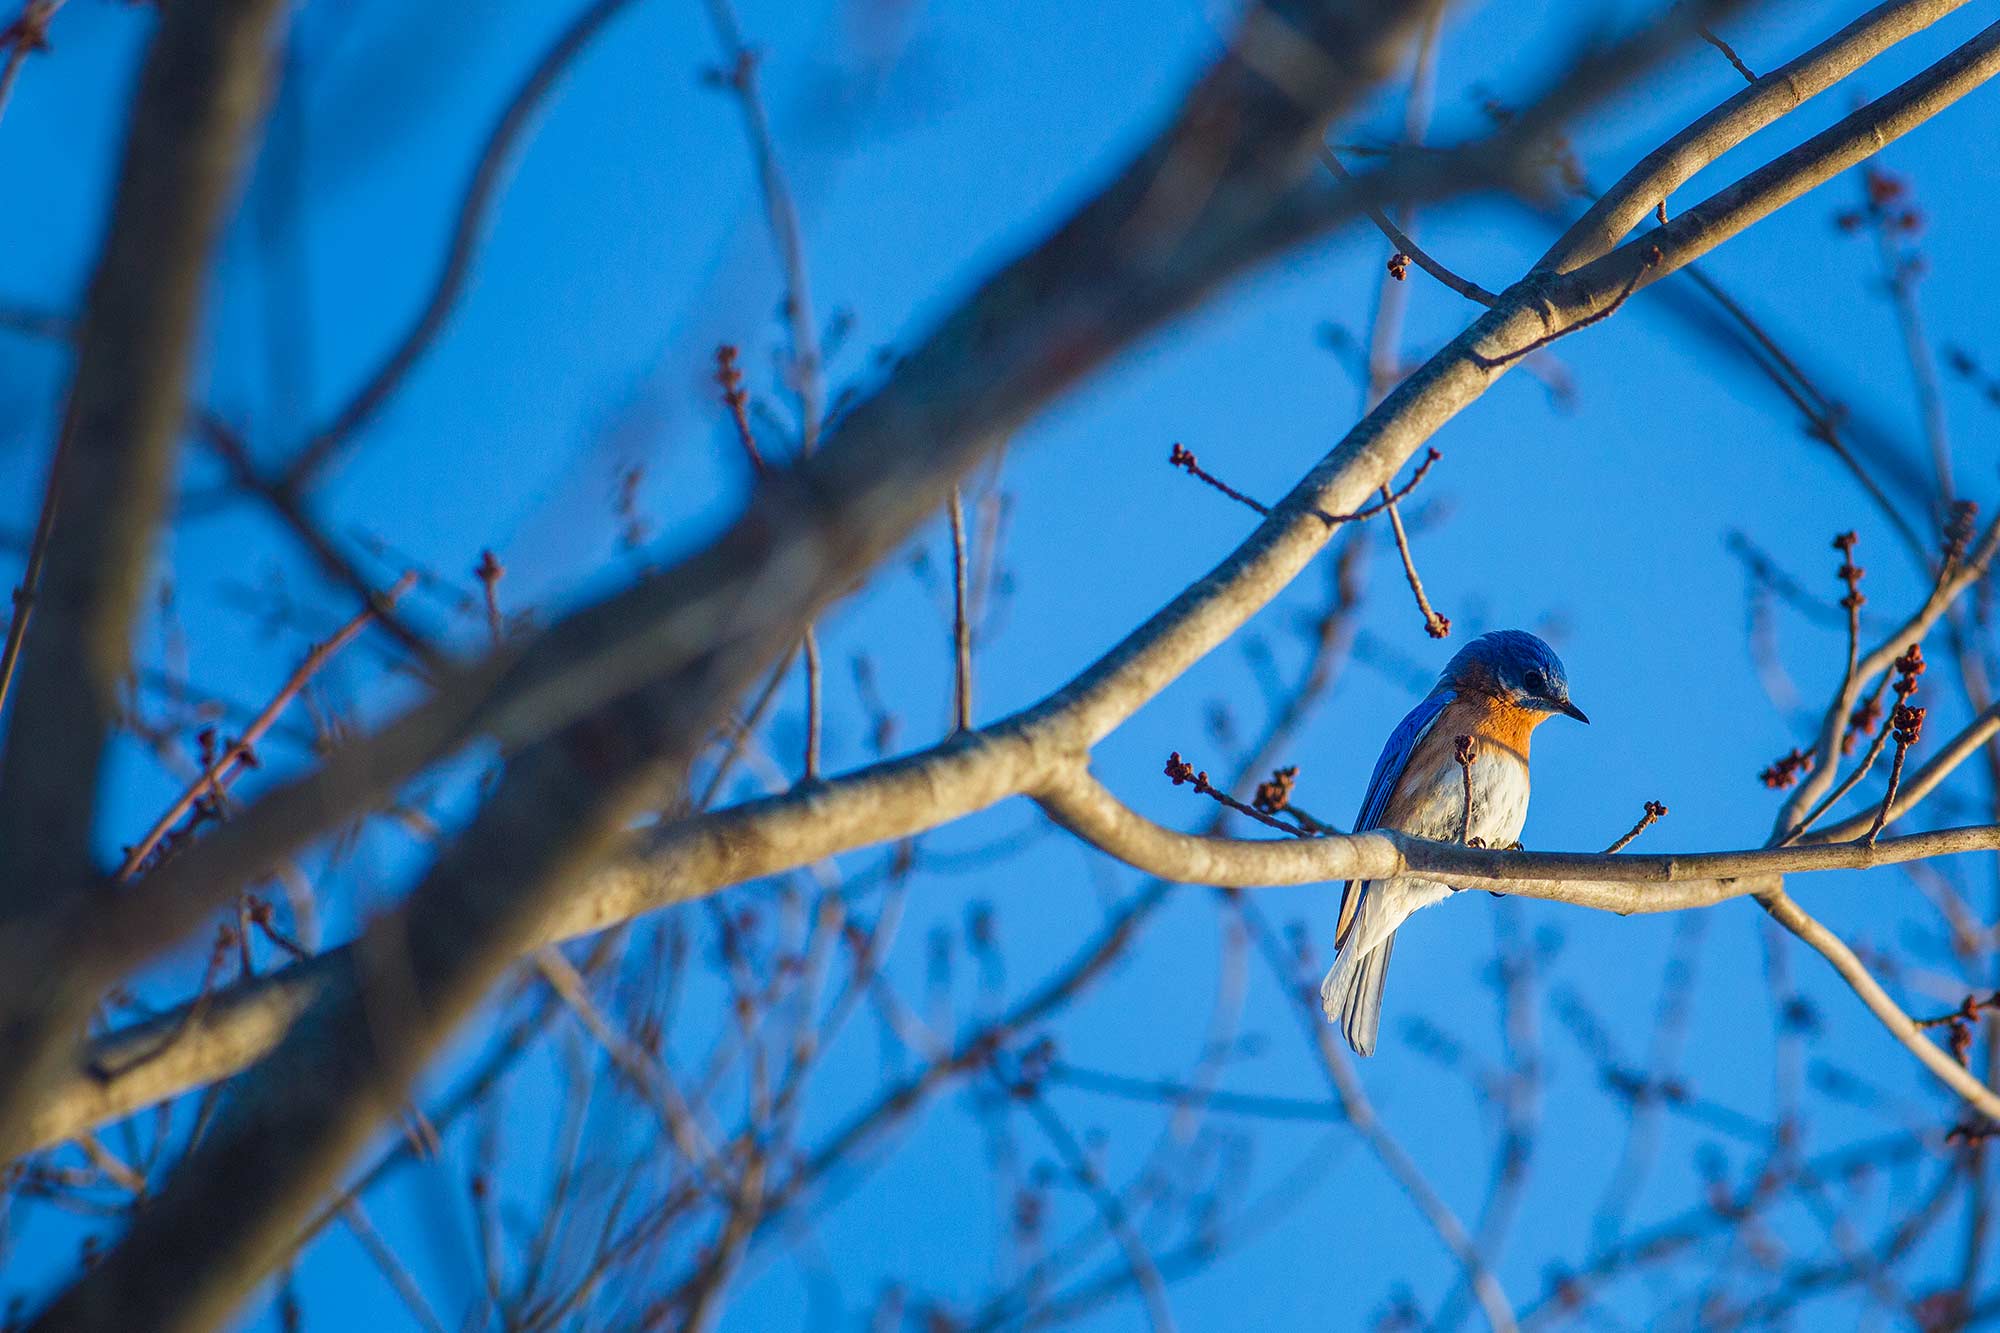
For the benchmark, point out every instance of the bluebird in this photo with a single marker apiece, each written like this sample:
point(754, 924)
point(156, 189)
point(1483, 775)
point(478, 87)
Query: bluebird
point(1497, 690)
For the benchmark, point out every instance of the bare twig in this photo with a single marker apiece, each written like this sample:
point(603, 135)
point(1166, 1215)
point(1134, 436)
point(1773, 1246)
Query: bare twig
point(31, 576)
point(1436, 625)
point(734, 397)
point(1144, 1271)
point(1180, 771)
point(1851, 969)
point(1847, 784)
point(1654, 256)
point(1908, 726)
point(1850, 576)
point(27, 34)
point(482, 188)
point(1406, 245)
point(815, 680)
point(1708, 35)
point(1655, 811)
point(1387, 1149)
point(807, 369)
point(489, 571)
point(1183, 458)
point(1390, 499)
point(961, 626)
point(240, 752)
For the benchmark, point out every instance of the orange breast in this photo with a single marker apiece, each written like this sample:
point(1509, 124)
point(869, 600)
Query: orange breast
point(1505, 723)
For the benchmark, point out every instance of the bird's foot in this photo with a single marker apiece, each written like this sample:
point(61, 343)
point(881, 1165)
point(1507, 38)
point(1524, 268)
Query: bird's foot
point(1475, 842)
point(1514, 846)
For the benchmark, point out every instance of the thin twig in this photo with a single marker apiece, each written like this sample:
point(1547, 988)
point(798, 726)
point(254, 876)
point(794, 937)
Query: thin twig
point(239, 753)
point(1182, 457)
point(385, 1258)
point(31, 577)
point(1835, 950)
point(1707, 35)
point(1653, 258)
point(1145, 1273)
point(290, 505)
point(1274, 796)
point(1405, 245)
point(813, 696)
point(1465, 751)
point(27, 34)
point(781, 213)
point(468, 227)
point(1436, 625)
point(1888, 207)
point(1361, 1114)
point(1390, 499)
point(1822, 417)
point(1850, 575)
point(648, 1073)
point(806, 372)
point(1847, 784)
point(1180, 771)
point(489, 572)
point(961, 626)
point(1908, 726)
point(736, 399)
point(1654, 812)
point(119, 1172)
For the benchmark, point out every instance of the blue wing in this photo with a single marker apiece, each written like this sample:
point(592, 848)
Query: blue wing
point(1388, 771)
point(1402, 743)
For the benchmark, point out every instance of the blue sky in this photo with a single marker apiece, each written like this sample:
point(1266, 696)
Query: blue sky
point(928, 142)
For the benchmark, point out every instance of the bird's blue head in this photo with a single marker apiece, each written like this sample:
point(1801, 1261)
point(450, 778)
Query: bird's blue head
point(1513, 665)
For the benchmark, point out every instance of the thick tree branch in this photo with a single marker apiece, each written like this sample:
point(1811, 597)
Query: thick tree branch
point(699, 856)
point(201, 87)
point(199, 92)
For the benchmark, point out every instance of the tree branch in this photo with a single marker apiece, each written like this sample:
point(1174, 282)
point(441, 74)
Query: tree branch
point(202, 85)
point(1781, 91)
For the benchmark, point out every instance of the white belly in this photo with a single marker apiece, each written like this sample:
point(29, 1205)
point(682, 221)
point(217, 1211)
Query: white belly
point(1436, 810)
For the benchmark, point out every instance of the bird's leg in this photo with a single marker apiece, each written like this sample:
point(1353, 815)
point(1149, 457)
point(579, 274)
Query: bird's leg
point(1515, 846)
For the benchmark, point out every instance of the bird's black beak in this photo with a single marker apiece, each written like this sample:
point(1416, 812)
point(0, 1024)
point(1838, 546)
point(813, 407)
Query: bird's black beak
point(1567, 707)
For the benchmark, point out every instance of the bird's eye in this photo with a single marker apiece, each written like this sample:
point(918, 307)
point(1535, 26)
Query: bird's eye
point(1536, 682)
